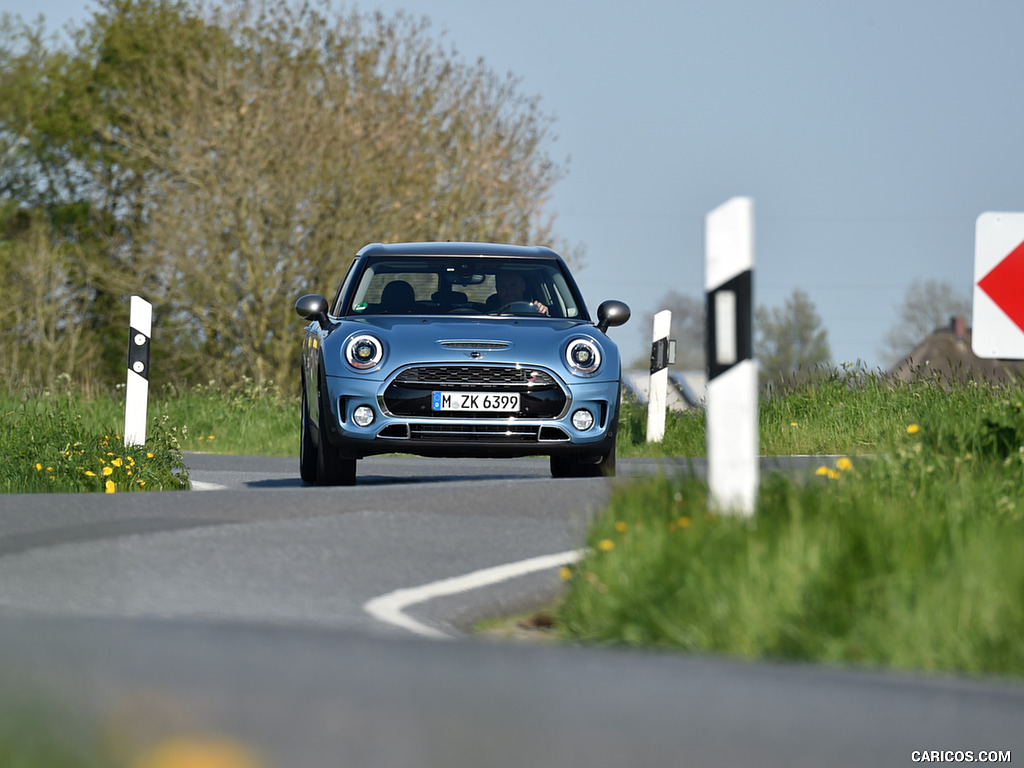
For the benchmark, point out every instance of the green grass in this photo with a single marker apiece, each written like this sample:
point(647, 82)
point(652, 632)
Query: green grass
point(50, 447)
point(907, 556)
point(59, 442)
point(246, 419)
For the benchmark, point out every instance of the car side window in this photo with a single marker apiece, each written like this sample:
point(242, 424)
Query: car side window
point(336, 305)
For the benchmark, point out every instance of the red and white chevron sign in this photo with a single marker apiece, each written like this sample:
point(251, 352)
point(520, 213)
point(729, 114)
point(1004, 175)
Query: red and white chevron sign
point(998, 316)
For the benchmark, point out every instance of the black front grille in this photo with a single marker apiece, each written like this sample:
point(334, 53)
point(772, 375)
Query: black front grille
point(540, 395)
point(472, 376)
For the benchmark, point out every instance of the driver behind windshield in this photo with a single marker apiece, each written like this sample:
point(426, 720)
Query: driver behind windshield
point(511, 287)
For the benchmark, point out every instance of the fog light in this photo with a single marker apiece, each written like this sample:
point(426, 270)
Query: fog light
point(583, 419)
point(363, 415)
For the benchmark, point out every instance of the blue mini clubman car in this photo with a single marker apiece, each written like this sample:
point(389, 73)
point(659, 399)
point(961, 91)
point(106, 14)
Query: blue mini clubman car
point(456, 350)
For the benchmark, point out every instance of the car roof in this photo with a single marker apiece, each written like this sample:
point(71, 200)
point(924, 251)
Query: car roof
point(458, 249)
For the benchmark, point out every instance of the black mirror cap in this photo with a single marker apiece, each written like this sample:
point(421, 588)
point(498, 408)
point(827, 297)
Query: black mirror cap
point(312, 307)
point(611, 313)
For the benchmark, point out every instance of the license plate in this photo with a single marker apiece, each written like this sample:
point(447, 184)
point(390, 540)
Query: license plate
point(476, 401)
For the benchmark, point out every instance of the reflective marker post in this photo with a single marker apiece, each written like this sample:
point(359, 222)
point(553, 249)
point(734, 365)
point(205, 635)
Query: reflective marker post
point(137, 386)
point(732, 437)
point(657, 400)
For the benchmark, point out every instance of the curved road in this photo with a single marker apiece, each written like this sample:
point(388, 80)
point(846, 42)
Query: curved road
point(242, 611)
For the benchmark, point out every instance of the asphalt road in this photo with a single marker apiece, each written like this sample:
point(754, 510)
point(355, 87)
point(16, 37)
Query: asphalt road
point(241, 611)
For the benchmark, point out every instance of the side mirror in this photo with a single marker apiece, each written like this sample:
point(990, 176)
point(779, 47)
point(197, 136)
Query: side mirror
point(312, 307)
point(611, 313)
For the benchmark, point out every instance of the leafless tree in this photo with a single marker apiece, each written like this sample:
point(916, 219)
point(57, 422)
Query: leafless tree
point(927, 306)
point(277, 154)
point(790, 339)
point(688, 323)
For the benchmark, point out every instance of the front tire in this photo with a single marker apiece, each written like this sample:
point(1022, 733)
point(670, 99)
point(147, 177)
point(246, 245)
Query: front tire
point(331, 467)
point(575, 465)
point(307, 448)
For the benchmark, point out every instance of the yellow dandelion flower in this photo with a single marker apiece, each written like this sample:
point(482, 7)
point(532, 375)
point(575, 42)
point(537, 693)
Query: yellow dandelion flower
point(683, 522)
point(621, 527)
point(200, 753)
point(109, 487)
point(844, 464)
point(606, 545)
point(822, 471)
point(149, 455)
point(108, 471)
point(792, 424)
point(90, 473)
point(913, 429)
point(565, 573)
point(833, 474)
point(211, 437)
point(117, 462)
point(141, 482)
point(39, 467)
point(50, 470)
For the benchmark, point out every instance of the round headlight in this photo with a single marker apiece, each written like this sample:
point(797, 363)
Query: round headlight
point(583, 357)
point(364, 352)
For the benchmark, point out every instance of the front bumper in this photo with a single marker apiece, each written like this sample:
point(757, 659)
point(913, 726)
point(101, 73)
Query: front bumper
point(415, 430)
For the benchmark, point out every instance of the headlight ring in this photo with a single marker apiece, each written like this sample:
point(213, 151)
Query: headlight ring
point(583, 356)
point(364, 351)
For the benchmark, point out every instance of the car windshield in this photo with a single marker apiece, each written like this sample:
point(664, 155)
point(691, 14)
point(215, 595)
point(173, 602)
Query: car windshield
point(454, 285)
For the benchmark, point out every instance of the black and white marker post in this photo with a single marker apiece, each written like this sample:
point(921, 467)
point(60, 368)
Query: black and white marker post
point(732, 439)
point(657, 400)
point(137, 386)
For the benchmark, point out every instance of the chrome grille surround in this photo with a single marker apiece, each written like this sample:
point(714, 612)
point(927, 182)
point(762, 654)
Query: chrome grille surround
point(543, 397)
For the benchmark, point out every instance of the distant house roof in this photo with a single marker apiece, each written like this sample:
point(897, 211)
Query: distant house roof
point(947, 351)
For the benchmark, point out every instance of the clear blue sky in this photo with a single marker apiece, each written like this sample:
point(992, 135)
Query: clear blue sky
point(870, 135)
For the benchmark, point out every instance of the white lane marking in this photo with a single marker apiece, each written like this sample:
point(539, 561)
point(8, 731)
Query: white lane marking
point(389, 608)
point(199, 485)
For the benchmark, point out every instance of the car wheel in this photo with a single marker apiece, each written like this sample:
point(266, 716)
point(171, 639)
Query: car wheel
point(584, 465)
point(563, 466)
point(331, 467)
point(307, 448)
